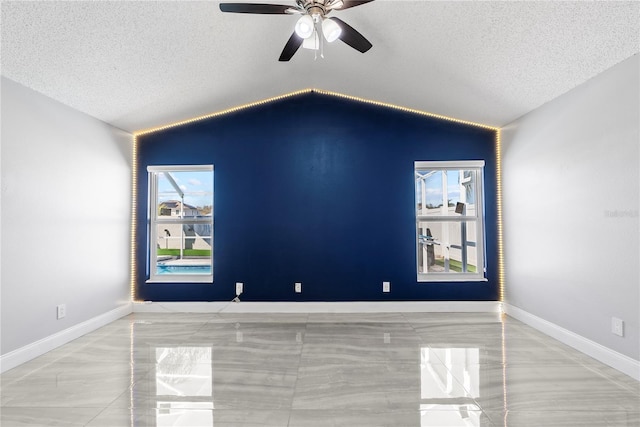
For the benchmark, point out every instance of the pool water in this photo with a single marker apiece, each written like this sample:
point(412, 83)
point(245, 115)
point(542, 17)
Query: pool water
point(183, 269)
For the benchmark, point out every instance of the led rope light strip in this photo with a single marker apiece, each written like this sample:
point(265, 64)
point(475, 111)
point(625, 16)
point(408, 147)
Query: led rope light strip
point(499, 216)
point(307, 91)
point(403, 109)
point(134, 216)
point(224, 112)
point(134, 179)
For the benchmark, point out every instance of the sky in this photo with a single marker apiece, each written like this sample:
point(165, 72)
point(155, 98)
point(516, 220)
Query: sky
point(434, 188)
point(197, 187)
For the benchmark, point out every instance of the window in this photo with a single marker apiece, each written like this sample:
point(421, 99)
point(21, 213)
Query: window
point(450, 387)
point(181, 223)
point(184, 386)
point(449, 221)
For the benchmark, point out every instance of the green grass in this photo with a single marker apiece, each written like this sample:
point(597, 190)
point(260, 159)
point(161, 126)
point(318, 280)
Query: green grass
point(456, 266)
point(186, 252)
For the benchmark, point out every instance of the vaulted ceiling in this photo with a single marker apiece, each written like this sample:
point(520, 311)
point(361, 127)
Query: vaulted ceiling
point(140, 64)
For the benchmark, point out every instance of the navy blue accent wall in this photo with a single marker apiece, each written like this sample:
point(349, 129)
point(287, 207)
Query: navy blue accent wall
point(320, 190)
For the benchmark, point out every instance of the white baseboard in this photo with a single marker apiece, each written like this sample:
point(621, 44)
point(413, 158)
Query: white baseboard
point(621, 362)
point(612, 358)
point(319, 307)
point(40, 347)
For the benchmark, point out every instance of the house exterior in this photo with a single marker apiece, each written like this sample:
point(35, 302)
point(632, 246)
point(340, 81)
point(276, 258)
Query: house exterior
point(173, 208)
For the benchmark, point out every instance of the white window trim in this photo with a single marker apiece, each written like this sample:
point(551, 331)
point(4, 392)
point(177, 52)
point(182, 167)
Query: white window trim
point(480, 274)
point(180, 168)
point(154, 220)
point(449, 164)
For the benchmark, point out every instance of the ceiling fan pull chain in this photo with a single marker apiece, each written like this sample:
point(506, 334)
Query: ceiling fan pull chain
point(320, 36)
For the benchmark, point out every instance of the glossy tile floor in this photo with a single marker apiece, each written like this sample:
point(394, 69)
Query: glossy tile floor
point(437, 369)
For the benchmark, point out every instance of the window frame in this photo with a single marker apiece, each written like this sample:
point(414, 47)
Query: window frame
point(153, 220)
point(478, 218)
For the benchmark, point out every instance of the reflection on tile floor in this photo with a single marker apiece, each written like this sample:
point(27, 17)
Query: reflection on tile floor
point(432, 369)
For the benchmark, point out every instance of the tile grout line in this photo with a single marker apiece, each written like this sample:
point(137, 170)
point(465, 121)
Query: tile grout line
point(295, 384)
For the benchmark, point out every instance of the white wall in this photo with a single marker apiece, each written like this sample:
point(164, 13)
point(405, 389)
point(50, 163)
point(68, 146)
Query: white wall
point(571, 200)
point(66, 197)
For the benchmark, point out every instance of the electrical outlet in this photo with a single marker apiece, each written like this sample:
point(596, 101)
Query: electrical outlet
point(617, 326)
point(298, 287)
point(61, 311)
point(386, 286)
point(387, 338)
point(239, 287)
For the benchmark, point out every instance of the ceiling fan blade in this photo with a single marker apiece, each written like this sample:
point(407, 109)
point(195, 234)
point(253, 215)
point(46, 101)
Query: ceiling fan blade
point(347, 4)
point(265, 9)
point(352, 37)
point(292, 46)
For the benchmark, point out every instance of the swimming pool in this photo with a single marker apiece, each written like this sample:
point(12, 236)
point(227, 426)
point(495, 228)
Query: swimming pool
point(183, 269)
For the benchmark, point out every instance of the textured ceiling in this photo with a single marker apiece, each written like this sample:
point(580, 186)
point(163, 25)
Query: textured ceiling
point(140, 64)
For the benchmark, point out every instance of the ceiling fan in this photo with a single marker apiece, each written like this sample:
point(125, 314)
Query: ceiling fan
point(313, 27)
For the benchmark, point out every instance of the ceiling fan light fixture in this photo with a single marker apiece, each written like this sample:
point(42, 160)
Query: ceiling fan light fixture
point(304, 26)
point(331, 30)
point(336, 4)
point(312, 42)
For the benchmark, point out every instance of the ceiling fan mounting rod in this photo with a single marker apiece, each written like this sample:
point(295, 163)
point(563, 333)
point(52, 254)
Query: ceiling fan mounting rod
point(313, 7)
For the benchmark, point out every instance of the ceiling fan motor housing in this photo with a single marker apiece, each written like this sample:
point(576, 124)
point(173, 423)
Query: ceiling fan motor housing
point(315, 7)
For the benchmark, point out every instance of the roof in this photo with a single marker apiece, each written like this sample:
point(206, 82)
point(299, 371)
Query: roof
point(175, 204)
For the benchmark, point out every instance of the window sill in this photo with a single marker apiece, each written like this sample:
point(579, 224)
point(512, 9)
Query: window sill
point(181, 279)
point(434, 278)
